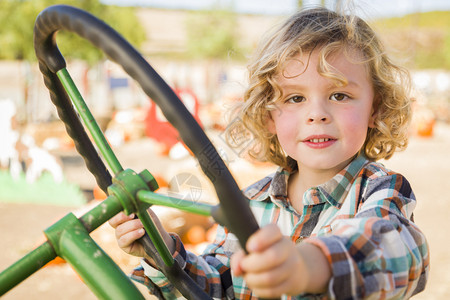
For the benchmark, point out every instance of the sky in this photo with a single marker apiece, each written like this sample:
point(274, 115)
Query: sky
point(367, 8)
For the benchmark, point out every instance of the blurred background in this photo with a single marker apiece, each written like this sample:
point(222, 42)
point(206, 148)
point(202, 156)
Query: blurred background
point(200, 48)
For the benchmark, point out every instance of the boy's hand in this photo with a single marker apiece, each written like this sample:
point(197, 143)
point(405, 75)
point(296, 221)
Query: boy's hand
point(275, 266)
point(129, 230)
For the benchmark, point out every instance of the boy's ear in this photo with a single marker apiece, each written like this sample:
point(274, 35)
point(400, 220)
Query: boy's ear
point(372, 118)
point(270, 124)
point(374, 113)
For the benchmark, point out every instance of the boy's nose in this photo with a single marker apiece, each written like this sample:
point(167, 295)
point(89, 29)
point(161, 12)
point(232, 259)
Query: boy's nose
point(317, 119)
point(318, 114)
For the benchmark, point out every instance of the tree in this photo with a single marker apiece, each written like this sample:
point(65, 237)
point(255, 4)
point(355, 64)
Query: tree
point(213, 34)
point(18, 17)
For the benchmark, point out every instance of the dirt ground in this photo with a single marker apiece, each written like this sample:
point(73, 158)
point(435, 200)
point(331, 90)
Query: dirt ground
point(425, 163)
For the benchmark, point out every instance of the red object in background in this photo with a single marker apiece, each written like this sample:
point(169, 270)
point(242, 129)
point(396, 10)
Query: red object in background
point(157, 126)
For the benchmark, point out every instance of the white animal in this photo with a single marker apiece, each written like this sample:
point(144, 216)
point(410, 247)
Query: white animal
point(40, 160)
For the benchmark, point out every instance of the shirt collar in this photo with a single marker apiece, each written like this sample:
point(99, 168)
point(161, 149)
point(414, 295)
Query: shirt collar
point(336, 189)
point(332, 191)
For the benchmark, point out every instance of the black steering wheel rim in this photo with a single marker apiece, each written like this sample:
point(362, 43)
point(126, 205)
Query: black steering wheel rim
point(237, 216)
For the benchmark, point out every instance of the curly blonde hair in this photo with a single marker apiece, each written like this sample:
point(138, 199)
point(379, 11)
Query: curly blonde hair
point(328, 31)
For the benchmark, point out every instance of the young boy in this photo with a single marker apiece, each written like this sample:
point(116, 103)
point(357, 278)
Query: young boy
point(324, 102)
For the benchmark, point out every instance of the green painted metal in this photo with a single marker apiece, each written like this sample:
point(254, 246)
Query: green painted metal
point(69, 238)
point(181, 204)
point(101, 213)
point(95, 267)
point(37, 258)
point(25, 267)
point(149, 180)
point(89, 120)
point(156, 238)
point(54, 232)
point(125, 187)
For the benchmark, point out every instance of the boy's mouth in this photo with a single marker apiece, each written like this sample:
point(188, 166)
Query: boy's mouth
point(320, 141)
point(319, 138)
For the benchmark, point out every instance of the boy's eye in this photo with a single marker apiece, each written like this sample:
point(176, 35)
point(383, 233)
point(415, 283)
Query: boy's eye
point(338, 97)
point(295, 99)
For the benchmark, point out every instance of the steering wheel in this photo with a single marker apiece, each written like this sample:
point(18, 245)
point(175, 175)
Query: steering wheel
point(233, 211)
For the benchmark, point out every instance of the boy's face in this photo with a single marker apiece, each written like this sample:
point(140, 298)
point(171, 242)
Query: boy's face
point(320, 124)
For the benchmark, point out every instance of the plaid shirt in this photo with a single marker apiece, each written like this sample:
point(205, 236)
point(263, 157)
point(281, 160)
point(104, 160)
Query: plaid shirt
point(361, 219)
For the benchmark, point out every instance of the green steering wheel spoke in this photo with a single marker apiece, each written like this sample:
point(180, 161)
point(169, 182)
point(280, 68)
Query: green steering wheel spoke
point(203, 209)
point(156, 237)
point(89, 121)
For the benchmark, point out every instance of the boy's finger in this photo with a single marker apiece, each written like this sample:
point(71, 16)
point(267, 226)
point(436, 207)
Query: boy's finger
point(126, 227)
point(264, 238)
point(268, 277)
point(129, 238)
point(267, 259)
point(119, 219)
point(235, 263)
